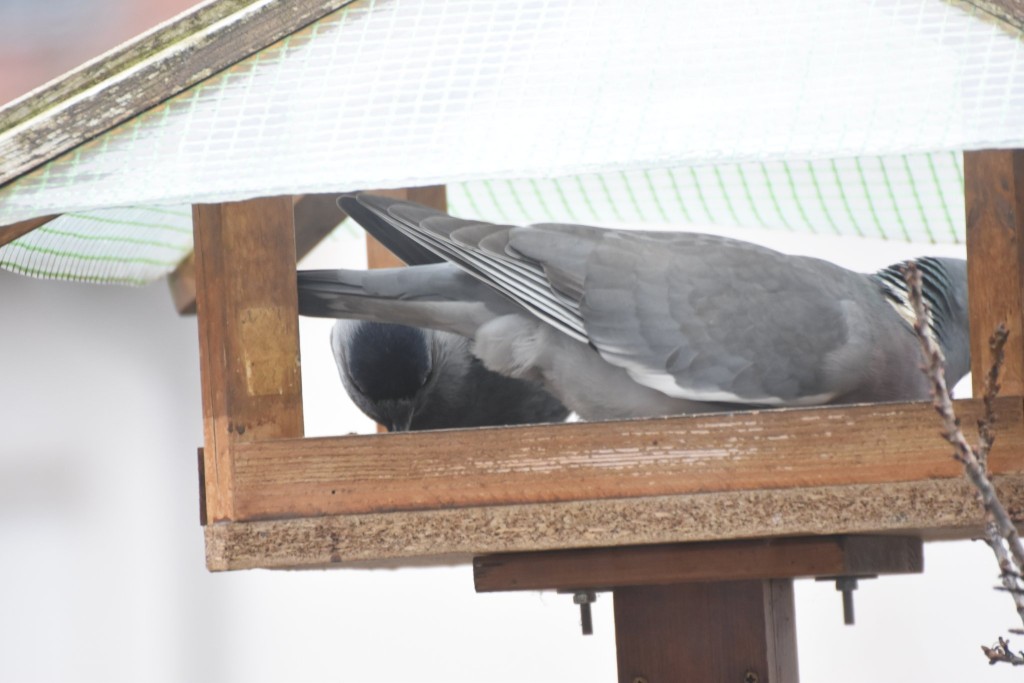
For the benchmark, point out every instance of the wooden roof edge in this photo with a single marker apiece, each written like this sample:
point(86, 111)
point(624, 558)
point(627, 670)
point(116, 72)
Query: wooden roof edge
point(142, 73)
point(1008, 12)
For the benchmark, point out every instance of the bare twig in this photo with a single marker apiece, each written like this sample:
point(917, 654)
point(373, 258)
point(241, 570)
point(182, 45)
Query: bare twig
point(1002, 653)
point(1000, 532)
point(986, 435)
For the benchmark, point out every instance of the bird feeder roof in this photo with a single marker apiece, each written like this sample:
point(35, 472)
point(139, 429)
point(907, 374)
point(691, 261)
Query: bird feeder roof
point(846, 117)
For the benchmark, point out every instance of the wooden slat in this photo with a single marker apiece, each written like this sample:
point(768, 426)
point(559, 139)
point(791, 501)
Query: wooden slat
point(9, 233)
point(597, 568)
point(142, 73)
point(994, 194)
point(248, 333)
point(931, 508)
point(865, 444)
point(730, 631)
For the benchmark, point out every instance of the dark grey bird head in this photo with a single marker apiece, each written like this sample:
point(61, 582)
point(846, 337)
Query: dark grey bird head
point(408, 378)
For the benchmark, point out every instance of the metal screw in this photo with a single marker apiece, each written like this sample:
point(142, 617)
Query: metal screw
point(639, 679)
point(584, 599)
point(751, 677)
point(846, 585)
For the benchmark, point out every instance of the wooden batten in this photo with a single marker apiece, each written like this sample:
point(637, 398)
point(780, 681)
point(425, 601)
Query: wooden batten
point(9, 233)
point(247, 309)
point(758, 450)
point(772, 558)
point(994, 196)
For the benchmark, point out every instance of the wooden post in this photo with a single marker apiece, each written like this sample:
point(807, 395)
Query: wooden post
point(434, 196)
point(703, 611)
point(729, 632)
point(247, 307)
point(994, 194)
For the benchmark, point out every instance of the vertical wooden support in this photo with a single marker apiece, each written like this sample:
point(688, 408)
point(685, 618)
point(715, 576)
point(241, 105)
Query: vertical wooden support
point(247, 309)
point(733, 632)
point(434, 196)
point(994, 194)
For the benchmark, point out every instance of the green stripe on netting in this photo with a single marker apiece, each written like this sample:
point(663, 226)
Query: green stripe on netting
point(892, 198)
point(55, 275)
point(111, 238)
point(956, 164)
point(565, 202)
point(867, 195)
point(679, 196)
point(725, 194)
point(796, 197)
point(91, 257)
point(917, 200)
point(134, 224)
point(471, 196)
point(775, 199)
point(846, 200)
point(821, 198)
point(586, 198)
point(700, 195)
point(942, 198)
point(632, 196)
point(516, 198)
point(750, 196)
point(655, 195)
point(494, 200)
point(608, 196)
point(539, 194)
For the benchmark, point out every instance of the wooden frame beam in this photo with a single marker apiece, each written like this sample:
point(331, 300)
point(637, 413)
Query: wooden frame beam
point(994, 203)
point(9, 233)
point(703, 454)
point(650, 565)
point(248, 334)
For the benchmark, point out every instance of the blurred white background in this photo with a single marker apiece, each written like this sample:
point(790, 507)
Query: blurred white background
point(102, 574)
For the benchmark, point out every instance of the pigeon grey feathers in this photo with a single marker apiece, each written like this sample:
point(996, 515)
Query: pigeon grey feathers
point(634, 324)
point(409, 378)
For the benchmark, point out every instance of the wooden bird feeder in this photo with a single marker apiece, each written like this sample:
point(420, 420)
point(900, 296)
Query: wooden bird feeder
point(697, 524)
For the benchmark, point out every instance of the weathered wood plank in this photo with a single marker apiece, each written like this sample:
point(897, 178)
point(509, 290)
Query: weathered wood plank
point(248, 333)
point(776, 558)
point(9, 233)
point(730, 631)
point(142, 73)
point(864, 444)
point(930, 508)
point(994, 193)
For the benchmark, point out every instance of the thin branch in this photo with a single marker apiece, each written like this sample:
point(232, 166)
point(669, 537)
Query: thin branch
point(1000, 532)
point(1002, 653)
point(986, 433)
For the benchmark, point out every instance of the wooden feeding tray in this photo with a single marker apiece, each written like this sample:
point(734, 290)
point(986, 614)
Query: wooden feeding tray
point(776, 488)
